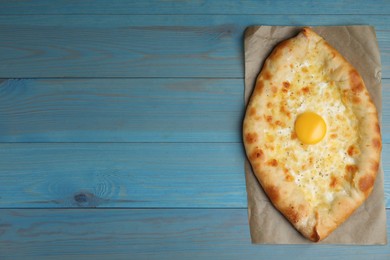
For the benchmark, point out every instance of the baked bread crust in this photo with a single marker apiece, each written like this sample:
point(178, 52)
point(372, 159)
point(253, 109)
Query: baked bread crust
point(313, 220)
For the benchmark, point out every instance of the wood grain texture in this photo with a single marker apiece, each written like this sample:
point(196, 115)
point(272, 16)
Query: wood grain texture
point(145, 45)
point(122, 175)
point(194, 7)
point(172, 175)
point(151, 234)
point(129, 110)
point(121, 110)
point(162, 80)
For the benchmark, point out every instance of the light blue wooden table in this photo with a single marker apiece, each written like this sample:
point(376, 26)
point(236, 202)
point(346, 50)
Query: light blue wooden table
point(120, 127)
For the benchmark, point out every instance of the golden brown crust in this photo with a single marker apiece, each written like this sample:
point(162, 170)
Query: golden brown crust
point(350, 188)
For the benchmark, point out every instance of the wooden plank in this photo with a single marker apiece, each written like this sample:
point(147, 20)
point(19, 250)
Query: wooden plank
point(129, 110)
point(145, 45)
point(122, 175)
point(121, 110)
point(194, 7)
point(151, 234)
point(385, 111)
point(386, 168)
point(128, 175)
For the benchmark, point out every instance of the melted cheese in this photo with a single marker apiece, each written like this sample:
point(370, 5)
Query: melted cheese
point(318, 169)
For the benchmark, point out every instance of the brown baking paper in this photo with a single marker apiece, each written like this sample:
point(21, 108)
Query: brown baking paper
point(358, 44)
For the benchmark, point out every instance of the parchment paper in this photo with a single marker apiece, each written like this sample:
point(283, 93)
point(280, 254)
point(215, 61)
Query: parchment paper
point(359, 46)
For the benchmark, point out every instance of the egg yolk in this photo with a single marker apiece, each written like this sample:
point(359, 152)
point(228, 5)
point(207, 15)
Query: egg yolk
point(310, 128)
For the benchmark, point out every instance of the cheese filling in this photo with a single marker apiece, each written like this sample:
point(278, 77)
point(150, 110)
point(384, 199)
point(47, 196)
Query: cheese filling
point(322, 169)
